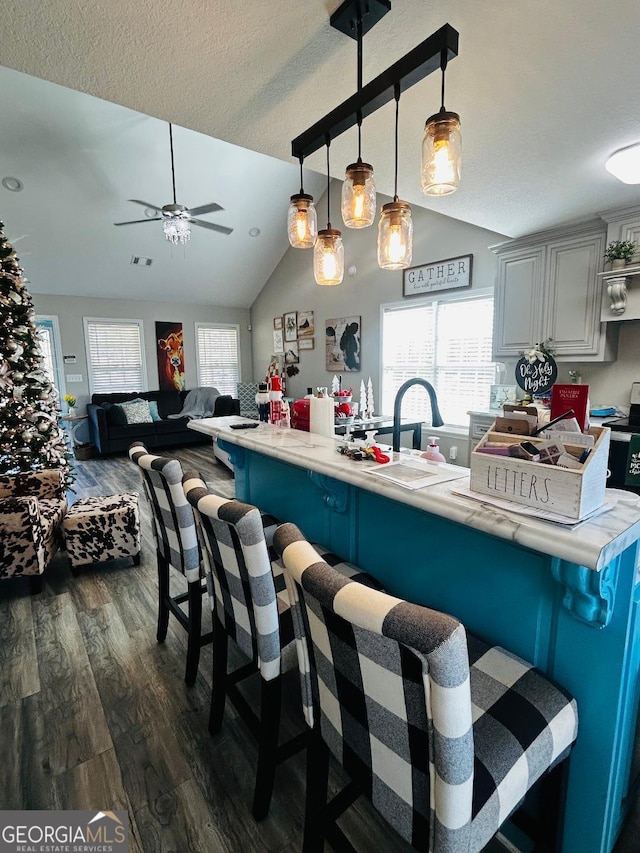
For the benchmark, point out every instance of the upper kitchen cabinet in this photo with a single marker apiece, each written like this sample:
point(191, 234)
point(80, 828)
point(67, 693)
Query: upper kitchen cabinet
point(547, 287)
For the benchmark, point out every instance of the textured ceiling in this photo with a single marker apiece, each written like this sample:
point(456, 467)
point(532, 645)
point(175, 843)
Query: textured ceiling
point(546, 91)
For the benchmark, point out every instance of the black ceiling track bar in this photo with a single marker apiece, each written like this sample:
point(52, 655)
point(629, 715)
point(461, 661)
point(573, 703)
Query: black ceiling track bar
point(411, 69)
point(368, 11)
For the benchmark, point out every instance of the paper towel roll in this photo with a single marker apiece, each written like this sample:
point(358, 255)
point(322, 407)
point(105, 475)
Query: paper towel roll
point(321, 416)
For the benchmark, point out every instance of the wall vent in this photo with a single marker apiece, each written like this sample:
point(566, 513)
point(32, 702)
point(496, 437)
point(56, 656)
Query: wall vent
point(139, 261)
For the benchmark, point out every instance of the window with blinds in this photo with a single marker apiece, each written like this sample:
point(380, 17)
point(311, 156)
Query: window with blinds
point(448, 343)
point(115, 357)
point(218, 354)
point(48, 342)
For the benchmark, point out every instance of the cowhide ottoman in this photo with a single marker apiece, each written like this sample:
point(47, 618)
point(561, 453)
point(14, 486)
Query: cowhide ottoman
point(102, 528)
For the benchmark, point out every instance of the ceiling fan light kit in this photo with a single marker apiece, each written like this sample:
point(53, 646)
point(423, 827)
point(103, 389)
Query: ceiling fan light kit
point(441, 148)
point(176, 218)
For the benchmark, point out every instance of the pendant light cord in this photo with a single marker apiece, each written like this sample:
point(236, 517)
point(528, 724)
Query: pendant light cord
point(396, 93)
point(301, 158)
point(173, 171)
point(359, 38)
point(328, 141)
point(443, 68)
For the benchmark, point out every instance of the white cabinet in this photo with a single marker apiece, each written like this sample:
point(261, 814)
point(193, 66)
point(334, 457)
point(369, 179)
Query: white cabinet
point(547, 287)
point(479, 423)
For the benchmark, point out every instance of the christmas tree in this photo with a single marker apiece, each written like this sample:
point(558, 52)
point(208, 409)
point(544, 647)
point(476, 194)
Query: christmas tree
point(30, 436)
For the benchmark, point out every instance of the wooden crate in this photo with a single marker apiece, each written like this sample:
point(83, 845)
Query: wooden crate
point(571, 493)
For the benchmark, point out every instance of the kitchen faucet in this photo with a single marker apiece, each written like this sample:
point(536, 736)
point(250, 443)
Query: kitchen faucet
point(436, 418)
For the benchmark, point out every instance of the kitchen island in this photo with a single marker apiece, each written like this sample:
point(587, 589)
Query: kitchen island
point(565, 599)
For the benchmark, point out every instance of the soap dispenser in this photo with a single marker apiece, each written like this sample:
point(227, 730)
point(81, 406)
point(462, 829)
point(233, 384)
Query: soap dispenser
point(433, 451)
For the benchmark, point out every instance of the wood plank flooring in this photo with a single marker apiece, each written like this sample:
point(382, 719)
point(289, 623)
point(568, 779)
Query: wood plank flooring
point(95, 714)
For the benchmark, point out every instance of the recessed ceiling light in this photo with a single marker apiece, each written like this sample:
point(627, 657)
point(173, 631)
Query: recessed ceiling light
point(625, 164)
point(254, 232)
point(14, 185)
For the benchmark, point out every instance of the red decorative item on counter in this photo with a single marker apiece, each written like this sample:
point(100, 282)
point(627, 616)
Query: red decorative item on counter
point(300, 415)
point(275, 400)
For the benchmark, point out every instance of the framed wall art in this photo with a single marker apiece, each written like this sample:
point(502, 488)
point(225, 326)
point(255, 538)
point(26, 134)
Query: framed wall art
point(342, 344)
point(305, 324)
point(291, 326)
point(277, 322)
point(170, 352)
point(306, 343)
point(278, 345)
point(291, 353)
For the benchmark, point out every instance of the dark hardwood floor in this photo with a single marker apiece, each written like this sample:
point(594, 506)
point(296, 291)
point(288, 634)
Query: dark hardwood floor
point(95, 714)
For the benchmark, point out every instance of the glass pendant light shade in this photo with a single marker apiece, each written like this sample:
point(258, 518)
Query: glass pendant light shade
point(358, 196)
point(395, 236)
point(302, 222)
point(328, 257)
point(441, 153)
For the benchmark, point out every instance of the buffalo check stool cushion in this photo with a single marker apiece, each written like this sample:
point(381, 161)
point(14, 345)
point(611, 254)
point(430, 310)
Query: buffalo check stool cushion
point(442, 732)
point(102, 528)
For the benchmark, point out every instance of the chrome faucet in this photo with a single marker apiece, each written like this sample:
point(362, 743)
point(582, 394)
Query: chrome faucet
point(436, 418)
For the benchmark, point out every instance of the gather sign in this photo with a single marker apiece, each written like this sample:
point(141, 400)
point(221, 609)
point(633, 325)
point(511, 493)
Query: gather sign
point(439, 275)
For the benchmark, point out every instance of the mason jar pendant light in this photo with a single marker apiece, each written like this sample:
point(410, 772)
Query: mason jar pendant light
point(359, 191)
point(328, 252)
point(302, 223)
point(441, 148)
point(395, 229)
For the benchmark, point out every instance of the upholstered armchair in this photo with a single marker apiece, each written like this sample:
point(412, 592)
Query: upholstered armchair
point(32, 506)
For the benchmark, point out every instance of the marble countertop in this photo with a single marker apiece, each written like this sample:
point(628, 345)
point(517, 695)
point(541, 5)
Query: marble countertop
point(592, 543)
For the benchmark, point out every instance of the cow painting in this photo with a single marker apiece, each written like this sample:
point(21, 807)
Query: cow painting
point(342, 344)
point(170, 356)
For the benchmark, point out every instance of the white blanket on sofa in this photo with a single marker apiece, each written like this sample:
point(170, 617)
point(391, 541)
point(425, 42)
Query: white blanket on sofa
point(199, 403)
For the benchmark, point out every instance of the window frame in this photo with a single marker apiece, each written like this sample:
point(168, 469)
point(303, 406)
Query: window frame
point(86, 321)
point(203, 324)
point(421, 302)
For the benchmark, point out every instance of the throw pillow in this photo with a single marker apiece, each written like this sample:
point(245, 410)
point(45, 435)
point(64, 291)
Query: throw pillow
point(137, 412)
point(115, 414)
point(153, 410)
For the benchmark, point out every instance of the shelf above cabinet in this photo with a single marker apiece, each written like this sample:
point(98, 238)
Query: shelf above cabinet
point(618, 282)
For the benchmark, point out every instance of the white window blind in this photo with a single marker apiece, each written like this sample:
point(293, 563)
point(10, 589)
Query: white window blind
point(218, 357)
point(115, 355)
point(446, 342)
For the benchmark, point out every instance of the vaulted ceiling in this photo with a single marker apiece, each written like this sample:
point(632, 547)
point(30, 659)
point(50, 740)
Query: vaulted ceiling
point(545, 90)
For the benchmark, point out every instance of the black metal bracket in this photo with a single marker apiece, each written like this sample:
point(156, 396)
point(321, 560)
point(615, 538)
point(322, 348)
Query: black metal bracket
point(412, 68)
point(369, 12)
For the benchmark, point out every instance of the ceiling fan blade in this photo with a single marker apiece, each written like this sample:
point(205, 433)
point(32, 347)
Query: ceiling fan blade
point(145, 204)
point(211, 226)
point(136, 221)
point(205, 208)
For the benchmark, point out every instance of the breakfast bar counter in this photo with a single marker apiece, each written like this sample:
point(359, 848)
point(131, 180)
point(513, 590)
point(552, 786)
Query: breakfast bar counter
point(564, 598)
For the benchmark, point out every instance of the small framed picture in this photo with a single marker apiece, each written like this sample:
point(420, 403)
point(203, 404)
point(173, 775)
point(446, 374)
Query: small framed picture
point(306, 343)
point(291, 326)
point(278, 345)
point(291, 354)
point(305, 324)
point(277, 323)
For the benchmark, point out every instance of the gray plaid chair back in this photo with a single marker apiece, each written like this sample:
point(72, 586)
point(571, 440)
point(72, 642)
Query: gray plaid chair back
point(173, 524)
point(443, 733)
point(240, 575)
point(387, 683)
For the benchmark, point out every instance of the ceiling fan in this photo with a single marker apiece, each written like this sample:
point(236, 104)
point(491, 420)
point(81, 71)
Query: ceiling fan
point(176, 218)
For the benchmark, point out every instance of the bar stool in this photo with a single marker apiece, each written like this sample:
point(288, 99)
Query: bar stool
point(443, 733)
point(250, 605)
point(177, 548)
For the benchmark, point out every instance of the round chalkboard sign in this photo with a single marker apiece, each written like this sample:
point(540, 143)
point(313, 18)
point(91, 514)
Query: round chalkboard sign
point(537, 376)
